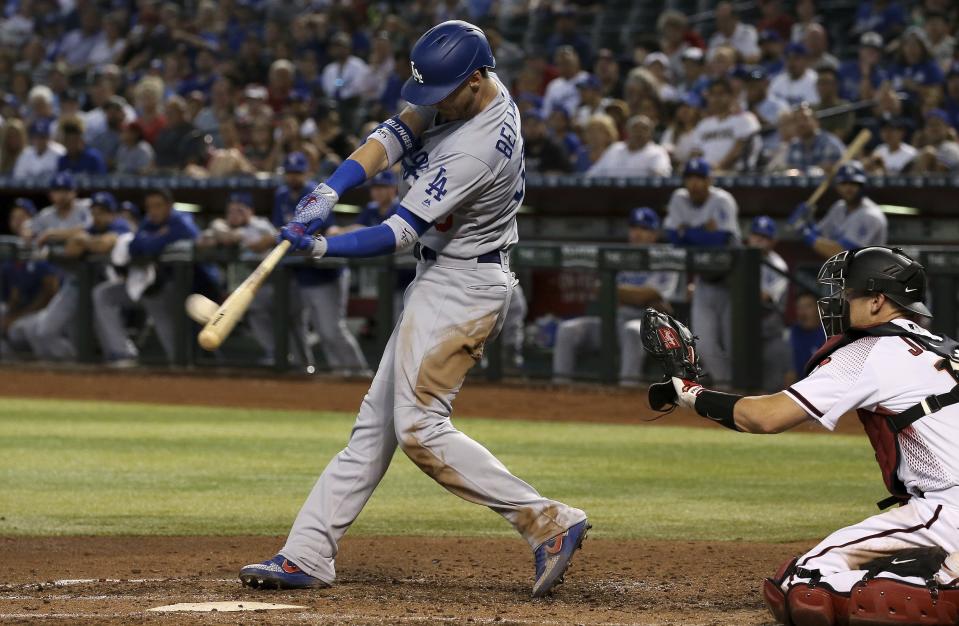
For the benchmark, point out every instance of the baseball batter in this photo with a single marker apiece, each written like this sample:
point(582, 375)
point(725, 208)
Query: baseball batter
point(700, 214)
point(462, 157)
point(853, 221)
point(635, 290)
point(901, 566)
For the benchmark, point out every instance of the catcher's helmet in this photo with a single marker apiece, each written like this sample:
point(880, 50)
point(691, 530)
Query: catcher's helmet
point(876, 269)
point(851, 172)
point(443, 58)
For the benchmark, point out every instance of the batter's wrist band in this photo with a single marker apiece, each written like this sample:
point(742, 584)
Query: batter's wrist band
point(348, 175)
point(718, 407)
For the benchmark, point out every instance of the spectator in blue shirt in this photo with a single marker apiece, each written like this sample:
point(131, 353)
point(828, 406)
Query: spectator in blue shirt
point(860, 77)
point(881, 16)
point(567, 33)
point(917, 68)
point(812, 147)
point(806, 335)
point(104, 228)
point(79, 158)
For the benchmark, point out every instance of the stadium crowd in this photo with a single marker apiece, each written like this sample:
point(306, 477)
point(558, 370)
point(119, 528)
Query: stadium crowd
point(206, 89)
point(210, 88)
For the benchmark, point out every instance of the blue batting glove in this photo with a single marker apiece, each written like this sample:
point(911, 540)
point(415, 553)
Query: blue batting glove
point(296, 235)
point(316, 205)
point(799, 215)
point(809, 234)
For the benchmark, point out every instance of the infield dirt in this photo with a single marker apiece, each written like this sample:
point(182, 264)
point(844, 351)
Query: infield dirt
point(382, 580)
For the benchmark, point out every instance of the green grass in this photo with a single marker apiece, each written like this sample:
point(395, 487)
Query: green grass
point(110, 468)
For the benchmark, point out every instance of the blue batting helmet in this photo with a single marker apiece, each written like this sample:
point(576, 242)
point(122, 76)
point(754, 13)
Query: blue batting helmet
point(696, 166)
point(644, 217)
point(763, 225)
point(851, 172)
point(443, 58)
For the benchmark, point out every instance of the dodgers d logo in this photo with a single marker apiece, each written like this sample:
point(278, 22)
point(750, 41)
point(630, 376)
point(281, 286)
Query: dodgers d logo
point(416, 73)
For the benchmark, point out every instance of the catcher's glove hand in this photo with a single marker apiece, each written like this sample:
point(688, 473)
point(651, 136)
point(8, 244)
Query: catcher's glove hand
point(669, 342)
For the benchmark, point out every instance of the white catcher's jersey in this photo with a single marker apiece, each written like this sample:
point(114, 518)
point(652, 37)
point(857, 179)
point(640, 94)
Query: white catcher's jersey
point(467, 178)
point(889, 375)
point(866, 226)
point(720, 208)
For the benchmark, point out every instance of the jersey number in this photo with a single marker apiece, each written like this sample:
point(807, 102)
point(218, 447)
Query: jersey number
point(437, 188)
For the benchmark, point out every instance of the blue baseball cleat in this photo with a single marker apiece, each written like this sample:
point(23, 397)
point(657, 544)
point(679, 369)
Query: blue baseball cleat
point(554, 557)
point(278, 573)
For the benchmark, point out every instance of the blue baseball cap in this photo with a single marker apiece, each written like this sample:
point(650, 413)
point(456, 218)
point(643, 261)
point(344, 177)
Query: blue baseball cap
point(63, 180)
point(242, 197)
point(644, 217)
point(769, 35)
point(696, 166)
point(693, 99)
point(940, 113)
point(104, 199)
point(763, 225)
point(383, 179)
point(295, 163)
point(39, 128)
point(588, 82)
point(27, 205)
point(796, 48)
point(131, 208)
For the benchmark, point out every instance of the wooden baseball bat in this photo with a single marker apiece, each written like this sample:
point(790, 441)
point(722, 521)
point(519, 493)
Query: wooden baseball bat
point(852, 151)
point(229, 313)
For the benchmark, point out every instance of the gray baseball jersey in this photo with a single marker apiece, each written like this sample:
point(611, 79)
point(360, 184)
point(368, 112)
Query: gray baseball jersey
point(255, 229)
point(864, 226)
point(469, 186)
point(720, 207)
point(49, 219)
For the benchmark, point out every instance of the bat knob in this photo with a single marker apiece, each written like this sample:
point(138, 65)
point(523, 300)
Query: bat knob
point(208, 340)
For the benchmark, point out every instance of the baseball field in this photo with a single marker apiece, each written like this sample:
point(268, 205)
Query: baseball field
point(126, 492)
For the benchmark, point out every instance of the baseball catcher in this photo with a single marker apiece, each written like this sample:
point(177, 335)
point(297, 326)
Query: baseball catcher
point(900, 566)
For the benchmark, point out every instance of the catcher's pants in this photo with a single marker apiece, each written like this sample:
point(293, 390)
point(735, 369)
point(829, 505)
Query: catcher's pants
point(840, 557)
point(326, 307)
point(452, 309)
point(711, 322)
point(109, 300)
point(585, 333)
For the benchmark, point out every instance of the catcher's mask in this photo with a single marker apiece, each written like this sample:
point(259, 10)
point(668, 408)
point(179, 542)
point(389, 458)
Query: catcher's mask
point(865, 271)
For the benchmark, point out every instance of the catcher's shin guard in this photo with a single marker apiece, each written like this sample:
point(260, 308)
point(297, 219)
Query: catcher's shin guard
point(816, 606)
point(884, 601)
point(773, 594)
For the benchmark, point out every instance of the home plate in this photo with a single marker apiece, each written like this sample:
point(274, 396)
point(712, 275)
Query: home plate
point(223, 607)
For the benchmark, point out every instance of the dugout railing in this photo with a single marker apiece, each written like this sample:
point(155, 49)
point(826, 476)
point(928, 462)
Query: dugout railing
point(740, 267)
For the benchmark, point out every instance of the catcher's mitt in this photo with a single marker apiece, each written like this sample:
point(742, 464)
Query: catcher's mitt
point(669, 341)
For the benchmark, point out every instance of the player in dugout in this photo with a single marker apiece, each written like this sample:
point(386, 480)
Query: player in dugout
point(900, 566)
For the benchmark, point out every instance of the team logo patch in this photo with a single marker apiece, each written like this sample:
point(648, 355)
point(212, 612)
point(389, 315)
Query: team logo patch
point(416, 73)
point(668, 337)
point(289, 568)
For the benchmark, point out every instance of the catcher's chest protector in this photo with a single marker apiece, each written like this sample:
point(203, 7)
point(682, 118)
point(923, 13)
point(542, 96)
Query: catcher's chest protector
point(882, 426)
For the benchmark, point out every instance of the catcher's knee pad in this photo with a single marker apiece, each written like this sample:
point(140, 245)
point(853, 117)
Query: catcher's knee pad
point(816, 606)
point(882, 601)
point(773, 594)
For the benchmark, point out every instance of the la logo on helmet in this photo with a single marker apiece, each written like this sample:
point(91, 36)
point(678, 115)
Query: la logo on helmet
point(416, 73)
